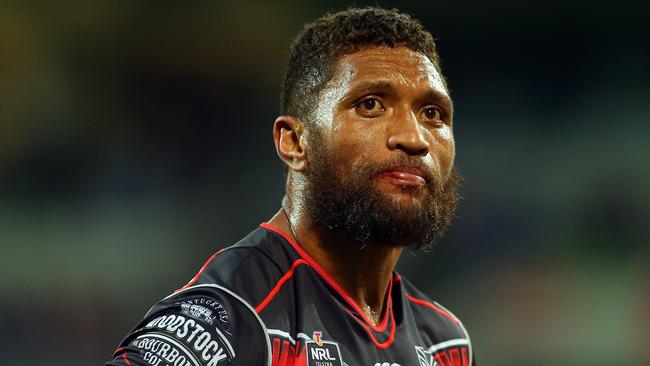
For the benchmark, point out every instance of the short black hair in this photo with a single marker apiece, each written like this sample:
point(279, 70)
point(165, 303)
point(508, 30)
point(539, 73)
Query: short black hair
point(318, 46)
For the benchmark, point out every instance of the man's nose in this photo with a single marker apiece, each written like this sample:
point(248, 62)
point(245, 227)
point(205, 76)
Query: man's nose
point(407, 135)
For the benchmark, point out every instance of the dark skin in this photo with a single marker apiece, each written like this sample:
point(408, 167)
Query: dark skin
point(380, 102)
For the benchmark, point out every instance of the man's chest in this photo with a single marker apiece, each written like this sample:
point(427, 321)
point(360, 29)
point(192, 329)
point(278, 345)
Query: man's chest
point(315, 330)
point(315, 347)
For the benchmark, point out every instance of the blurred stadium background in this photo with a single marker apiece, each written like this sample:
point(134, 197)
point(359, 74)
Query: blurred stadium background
point(135, 141)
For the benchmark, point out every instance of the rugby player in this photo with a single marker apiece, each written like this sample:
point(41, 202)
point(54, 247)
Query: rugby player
point(366, 135)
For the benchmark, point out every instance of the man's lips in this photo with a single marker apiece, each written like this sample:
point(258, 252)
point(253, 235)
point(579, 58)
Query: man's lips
point(403, 178)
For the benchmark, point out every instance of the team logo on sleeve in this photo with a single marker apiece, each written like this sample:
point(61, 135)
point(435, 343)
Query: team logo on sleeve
point(322, 353)
point(449, 353)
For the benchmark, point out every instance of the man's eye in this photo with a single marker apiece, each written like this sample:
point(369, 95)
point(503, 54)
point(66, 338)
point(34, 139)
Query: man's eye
point(432, 114)
point(369, 107)
point(370, 104)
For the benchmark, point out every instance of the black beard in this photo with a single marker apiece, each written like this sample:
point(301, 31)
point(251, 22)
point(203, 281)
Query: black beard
point(353, 207)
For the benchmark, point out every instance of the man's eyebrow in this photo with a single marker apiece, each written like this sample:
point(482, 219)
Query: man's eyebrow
point(439, 98)
point(370, 86)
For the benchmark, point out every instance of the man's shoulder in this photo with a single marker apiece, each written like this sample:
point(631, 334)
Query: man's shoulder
point(204, 325)
point(250, 267)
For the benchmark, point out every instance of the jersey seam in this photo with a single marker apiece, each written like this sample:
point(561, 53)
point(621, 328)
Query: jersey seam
point(278, 285)
point(278, 268)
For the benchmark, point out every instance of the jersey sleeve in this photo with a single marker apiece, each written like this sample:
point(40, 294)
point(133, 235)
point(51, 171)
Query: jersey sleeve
point(203, 325)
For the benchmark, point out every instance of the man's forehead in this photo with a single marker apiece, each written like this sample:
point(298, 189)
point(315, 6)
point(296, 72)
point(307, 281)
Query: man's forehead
point(399, 65)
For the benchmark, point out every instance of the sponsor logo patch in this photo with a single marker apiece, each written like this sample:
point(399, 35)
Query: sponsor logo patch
point(322, 353)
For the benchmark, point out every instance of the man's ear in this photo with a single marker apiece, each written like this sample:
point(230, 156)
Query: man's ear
point(288, 135)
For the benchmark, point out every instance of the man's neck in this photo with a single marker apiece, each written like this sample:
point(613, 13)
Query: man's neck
point(364, 271)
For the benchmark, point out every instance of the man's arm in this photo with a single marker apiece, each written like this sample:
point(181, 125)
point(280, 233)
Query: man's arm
point(204, 325)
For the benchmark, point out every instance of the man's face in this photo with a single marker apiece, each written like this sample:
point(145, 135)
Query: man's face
point(382, 149)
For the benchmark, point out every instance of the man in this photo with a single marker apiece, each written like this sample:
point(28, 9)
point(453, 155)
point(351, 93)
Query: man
point(366, 135)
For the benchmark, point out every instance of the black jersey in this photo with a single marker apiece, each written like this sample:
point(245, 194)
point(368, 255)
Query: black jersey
point(265, 301)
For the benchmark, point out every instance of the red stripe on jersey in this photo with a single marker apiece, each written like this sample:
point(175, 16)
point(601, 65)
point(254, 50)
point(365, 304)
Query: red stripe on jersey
point(198, 274)
point(432, 306)
point(379, 328)
point(126, 359)
point(279, 284)
point(118, 351)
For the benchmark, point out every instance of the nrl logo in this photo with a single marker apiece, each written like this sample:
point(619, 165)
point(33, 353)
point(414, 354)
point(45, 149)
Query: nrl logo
point(197, 311)
point(322, 353)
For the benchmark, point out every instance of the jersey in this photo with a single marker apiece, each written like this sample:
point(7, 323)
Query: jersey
point(265, 301)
